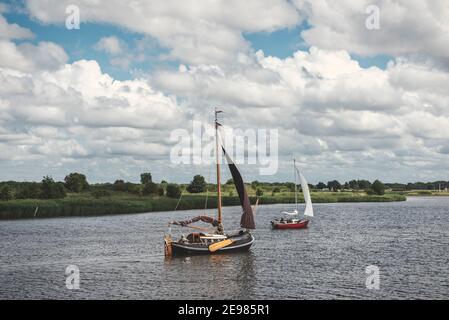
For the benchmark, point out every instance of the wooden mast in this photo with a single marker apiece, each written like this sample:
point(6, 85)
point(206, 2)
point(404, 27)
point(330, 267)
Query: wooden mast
point(218, 167)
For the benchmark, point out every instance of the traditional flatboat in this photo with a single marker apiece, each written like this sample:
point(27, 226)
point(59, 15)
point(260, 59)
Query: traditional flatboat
point(215, 241)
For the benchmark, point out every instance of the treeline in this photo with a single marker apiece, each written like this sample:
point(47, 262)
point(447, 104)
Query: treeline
point(377, 187)
point(437, 185)
point(77, 183)
point(362, 185)
point(333, 185)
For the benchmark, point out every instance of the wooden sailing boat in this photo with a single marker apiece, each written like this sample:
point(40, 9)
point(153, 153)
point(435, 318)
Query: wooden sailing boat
point(217, 241)
point(290, 221)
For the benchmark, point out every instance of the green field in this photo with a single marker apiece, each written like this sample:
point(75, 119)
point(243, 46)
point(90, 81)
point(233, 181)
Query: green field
point(423, 193)
point(84, 204)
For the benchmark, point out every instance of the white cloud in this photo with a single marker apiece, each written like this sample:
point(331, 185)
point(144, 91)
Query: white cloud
point(339, 118)
point(328, 107)
point(28, 57)
point(120, 54)
point(13, 31)
point(12, 57)
point(407, 27)
point(111, 45)
point(196, 32)
point(62, 115)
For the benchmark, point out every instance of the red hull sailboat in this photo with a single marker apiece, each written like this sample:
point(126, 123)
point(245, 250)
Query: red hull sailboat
point(294, 223)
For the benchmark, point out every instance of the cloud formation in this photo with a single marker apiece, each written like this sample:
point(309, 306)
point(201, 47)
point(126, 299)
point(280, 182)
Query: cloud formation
point(340, 119)
point(12, 30)
point(407, 27)
point(328, 107)
point(195, 32)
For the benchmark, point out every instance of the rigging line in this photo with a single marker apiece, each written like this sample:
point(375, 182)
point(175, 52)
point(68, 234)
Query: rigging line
point(179, 200)
point(207, 189)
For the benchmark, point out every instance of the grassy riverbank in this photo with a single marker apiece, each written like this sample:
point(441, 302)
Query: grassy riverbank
point(120, 203)
point(424, 193)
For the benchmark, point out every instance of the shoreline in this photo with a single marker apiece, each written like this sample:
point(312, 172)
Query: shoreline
point(82, 205)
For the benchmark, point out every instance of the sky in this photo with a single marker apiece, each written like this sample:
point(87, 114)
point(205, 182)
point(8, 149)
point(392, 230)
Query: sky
point(350, 97)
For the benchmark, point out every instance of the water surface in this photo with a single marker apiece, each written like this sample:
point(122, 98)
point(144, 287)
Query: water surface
point(122, 257)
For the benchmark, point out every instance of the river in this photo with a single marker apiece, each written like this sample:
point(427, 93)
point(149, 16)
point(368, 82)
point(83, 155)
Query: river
point(121, 256)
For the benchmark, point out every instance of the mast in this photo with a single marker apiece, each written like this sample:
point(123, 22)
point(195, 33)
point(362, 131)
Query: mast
point(296, 187)
point(218, 167)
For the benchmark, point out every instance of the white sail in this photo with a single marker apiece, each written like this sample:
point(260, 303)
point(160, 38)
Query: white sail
point(305, 190)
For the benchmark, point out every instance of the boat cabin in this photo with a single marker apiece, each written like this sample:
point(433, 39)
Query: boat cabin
point(204, 238)
point(287, 220)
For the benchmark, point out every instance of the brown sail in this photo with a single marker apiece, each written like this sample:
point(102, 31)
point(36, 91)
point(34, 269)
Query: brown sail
point(247, 220)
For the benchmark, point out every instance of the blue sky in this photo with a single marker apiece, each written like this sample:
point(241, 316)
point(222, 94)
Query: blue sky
point(79, 44)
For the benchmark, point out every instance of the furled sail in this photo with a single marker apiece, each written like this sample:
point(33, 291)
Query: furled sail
point(247, 220)
point(206, 219)
point(305, 190)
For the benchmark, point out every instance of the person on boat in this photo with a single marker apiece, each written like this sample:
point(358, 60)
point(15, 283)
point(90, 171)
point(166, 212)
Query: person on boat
point(183, 239)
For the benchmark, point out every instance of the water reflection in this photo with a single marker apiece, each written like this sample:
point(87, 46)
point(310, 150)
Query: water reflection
point(228, 275)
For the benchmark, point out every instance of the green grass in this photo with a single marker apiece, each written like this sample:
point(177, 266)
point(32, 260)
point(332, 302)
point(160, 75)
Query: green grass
point(418, 193)
point(121, 203)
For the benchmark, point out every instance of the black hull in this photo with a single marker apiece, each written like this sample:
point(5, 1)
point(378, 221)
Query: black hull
point(240, 244)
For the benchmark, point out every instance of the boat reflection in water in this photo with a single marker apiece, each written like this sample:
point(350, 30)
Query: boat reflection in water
point(217, 269)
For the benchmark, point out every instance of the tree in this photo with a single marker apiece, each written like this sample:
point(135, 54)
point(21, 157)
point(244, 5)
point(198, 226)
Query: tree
point(353, 184)
point(145, 178)
point(259, 192)
point(230, 181)
point(29, 190)
point(150, 188)
point(119, 185)
point(100, 193)
point(76, 182)
point(321, 186)
point(255, 184)
point(290, 186)
point(173, 191)
point(334, 185)
point(403, 187)
point(364, 184)
point(378, 187)
point(160, 191)
point(52, 189)
point(133, 188)
point(197, 185)
point(6, 193)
